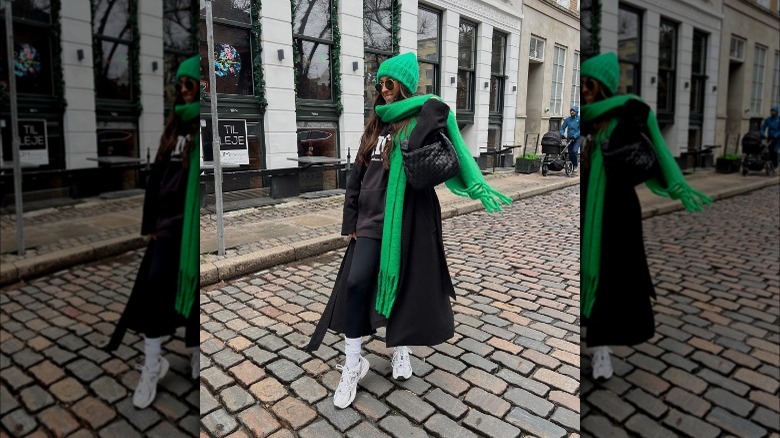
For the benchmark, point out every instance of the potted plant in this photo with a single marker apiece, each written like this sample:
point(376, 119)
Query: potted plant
point(528, 163)
point(728, 163)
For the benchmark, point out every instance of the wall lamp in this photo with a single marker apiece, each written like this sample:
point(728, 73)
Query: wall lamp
point(487, 84)
point(652, 79)
point(687, 85)
point(514, 87)
point(280, 53)
point(714, 88)
point(80, 54)
point(154, 66)
point(354, 65)
point(452, 79)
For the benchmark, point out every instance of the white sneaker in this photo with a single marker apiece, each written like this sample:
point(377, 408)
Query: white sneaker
point(402, 366)
point(347, 389)
point(601, 363)
point(146, 390)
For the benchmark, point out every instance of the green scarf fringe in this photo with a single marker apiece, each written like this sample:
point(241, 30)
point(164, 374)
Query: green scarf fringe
point(672, 185)
point(469, 182)
point(189, 263)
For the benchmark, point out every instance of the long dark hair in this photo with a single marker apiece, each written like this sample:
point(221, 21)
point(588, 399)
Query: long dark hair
point(374, 128)
point(174, 127)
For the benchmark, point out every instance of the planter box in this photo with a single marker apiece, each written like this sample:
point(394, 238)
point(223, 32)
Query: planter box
point(526, 165)
point(727, 166)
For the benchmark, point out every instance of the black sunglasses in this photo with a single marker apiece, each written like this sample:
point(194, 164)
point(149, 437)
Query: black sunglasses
point(389, 84)
point(589, 84)
point(188, 84)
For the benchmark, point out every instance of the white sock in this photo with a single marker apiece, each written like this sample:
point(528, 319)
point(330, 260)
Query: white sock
point(352, 350)
point(152, 348)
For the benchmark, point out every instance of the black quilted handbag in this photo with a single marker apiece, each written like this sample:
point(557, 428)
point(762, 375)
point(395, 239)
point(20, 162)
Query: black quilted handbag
point(632, 163)
point(431, 164)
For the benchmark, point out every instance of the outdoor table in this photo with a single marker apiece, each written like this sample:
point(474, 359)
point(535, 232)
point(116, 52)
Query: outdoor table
point(116, 162)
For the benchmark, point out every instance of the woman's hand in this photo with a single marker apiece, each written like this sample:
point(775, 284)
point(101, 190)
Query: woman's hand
point(353, 236)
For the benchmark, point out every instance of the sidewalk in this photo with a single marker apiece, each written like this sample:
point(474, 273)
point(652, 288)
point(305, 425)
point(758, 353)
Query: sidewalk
point(257, 238)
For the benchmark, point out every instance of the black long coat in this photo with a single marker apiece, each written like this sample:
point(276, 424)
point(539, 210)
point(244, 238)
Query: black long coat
point(151, 307)
point(622, 313)
point(422, 313)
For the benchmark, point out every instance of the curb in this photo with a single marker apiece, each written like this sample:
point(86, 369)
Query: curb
point(673, 206)
point(33, 267)
point(227, 269)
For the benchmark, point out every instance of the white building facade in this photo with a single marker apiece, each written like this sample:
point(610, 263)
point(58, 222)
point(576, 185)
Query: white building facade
point(669, 55)
point(307, 76)
point(99, 75)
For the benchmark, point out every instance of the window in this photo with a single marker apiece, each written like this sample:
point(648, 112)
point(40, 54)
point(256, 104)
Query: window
point(776, 81)
point(232, 47)
point(537, 49)
point(764, 3)
point(497, 65)
point(590, 18)
point(667, 65)
point(575, 81)
point(698, 73)
point(377, 42)
point(467, 56)
point(313, 39)
point(737, 49)
point(757, 89)
point(629, 45)
point(428, 44)
point(112, 40)
point(556, 89)
point(32, 51)
point(178, 41)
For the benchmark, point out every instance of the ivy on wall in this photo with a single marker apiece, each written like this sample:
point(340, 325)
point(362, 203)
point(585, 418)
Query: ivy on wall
point(396, 27)
point(135, 55)
point(336, 68)
point(56, 59)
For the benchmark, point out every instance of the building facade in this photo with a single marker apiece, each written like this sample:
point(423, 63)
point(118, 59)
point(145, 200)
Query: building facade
point(668, 53)
point(94, 78)
point(305, 79)
point(549, 67)
point(749, 82)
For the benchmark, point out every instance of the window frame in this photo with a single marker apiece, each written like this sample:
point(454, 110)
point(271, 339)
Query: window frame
point(756, 92)
point(637, 65)
point(536, 39)
point(741, 43)
point(370, 51)
point(499, 78)
point(435, 63)
point(119, 107)
point(556, 87)
point(698, 78)
point(466, 114)
point(179, 53)
point(665, 110)
point(317, 104)
point(776, 80)
point(575, 80)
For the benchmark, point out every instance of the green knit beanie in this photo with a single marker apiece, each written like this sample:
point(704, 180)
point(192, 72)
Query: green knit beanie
point(603, 68)
point(190, 67)
point(402, 68)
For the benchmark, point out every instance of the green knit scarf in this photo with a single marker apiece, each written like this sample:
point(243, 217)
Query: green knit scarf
point(469, 182)
point(189, 263)
point(672, 185)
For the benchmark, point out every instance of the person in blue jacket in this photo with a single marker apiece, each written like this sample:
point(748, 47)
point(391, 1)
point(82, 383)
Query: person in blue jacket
point(772, 124)
point(573, 124)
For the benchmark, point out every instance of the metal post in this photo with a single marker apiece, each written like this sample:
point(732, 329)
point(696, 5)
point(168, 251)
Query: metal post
point(215, 129)
point(9, 35)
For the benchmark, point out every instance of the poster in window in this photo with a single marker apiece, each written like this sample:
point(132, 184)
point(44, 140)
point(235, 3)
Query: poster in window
point(33, 142)
point(233, 142)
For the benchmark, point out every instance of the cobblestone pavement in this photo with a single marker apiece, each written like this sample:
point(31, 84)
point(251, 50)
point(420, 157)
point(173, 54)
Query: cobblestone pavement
point(713, 368)
point(65, 227)
point(511, 370)
point(56, 381)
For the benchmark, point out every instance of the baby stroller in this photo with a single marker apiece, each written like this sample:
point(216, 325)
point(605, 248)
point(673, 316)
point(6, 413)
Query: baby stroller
point(556, 154)
point(756, 154)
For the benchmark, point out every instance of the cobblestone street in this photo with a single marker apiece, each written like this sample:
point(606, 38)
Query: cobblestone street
point(56, 381)
point(713, 368)
point(511, 370)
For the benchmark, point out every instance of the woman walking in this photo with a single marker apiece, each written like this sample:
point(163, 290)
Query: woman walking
point(394, 273)
point(163, 297)
point(616, 283)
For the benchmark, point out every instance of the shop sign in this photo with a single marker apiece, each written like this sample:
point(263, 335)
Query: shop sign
point(33, 142)
point(233, 142)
